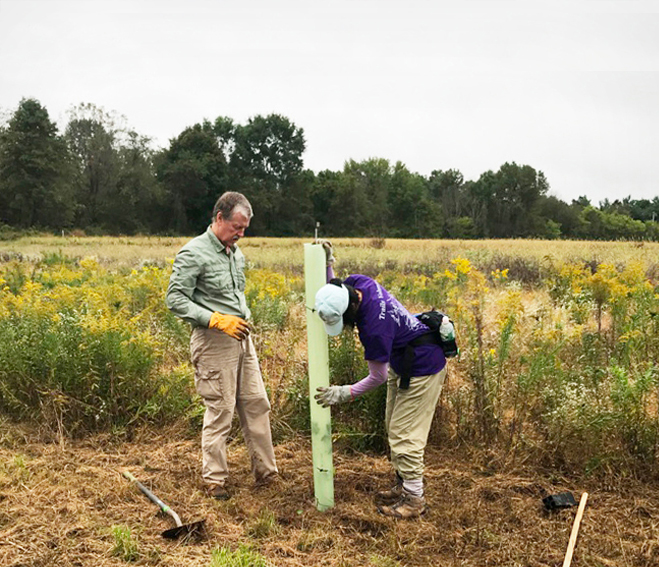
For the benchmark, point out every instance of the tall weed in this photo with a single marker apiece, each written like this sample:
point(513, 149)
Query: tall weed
point(81, 348)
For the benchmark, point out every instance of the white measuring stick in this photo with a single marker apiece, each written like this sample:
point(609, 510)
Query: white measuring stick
point(575, 530)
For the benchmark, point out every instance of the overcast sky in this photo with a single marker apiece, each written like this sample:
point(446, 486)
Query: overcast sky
point(568, 87)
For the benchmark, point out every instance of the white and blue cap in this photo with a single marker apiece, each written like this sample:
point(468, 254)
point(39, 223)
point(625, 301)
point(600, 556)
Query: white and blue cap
point(331, 303)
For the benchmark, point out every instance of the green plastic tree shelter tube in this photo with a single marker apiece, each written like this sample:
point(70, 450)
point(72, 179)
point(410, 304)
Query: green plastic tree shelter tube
point(318, 353)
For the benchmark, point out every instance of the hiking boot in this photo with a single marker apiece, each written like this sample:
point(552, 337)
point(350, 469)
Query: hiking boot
point(267, 480)
point(407, 507)
point(391, 496)
point(218, 491)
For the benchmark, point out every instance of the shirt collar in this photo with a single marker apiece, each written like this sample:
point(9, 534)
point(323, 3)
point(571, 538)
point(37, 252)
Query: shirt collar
point(217, 243)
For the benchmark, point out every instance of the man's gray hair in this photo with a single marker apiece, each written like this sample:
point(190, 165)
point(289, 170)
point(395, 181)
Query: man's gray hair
point(229, 202)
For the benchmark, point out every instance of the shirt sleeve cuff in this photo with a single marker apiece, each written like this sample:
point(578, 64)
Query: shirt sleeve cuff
point(205, 317)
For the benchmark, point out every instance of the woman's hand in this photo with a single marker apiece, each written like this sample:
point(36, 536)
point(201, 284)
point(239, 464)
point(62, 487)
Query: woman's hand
point(329, 250)
point(333, 395)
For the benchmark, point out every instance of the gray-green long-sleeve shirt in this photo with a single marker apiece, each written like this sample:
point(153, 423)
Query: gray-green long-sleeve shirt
point(207, 278)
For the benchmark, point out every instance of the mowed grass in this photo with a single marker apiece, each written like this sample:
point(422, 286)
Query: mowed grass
point(287, 254)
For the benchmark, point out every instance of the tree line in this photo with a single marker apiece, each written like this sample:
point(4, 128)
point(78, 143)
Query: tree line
point(102, 177)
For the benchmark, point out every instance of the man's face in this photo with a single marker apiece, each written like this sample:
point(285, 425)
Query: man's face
point(231, 230)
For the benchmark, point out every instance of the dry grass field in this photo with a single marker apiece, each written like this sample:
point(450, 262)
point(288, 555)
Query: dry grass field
point(287, 253)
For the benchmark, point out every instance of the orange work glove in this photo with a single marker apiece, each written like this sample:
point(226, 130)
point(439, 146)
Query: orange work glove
point(230, 324)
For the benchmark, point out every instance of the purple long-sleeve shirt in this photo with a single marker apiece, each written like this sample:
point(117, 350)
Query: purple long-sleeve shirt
point(377, 371)
point(391, 319)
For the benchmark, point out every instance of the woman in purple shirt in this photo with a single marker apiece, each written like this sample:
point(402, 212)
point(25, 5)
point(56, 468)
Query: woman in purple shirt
point(385, 329)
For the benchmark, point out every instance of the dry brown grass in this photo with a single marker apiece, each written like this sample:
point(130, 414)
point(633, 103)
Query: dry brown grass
point(58, 507)
point(287, 253)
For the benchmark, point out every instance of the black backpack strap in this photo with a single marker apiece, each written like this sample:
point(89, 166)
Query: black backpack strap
point(408, 357)
point(408, 360)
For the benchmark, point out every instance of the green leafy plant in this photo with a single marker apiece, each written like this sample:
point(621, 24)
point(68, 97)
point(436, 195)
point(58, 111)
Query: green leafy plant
point(241, 557)
point(125, 545)
point(84, 349)
point(17, 469)
point(359, 425)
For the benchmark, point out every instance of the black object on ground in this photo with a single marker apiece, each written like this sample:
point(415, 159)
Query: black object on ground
point(558, 501)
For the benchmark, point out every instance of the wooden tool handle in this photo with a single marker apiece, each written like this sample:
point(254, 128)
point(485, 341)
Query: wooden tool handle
point(575, 530)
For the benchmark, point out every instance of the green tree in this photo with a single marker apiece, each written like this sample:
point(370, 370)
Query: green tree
point(592, 223)
point(265, 163)
point(412, 213)
point(360, 199)
point(295, 215)
point(348, 209)
point(513, 210)
point(622, 227)
point(371, 182)
point(268, 148)
point(462, 227)
point(559, 212)
point(138, 201)
point(652, 230)
point(479, 196)
point(115, 181)
point(644, 209)
point(91, 135)
point(581, 202)
point(34, 171)
point(597, 224)
point(447, 188)
point(225, 130)
point(193, 173)
point(325, 188)
point(552, 230)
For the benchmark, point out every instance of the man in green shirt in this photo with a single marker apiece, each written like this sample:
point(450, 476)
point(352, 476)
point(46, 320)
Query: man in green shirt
point(207, 289)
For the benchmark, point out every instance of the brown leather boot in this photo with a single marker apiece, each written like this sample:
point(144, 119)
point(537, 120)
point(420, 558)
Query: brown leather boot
point(271, 479)
point(218, 491)
point(391, 496)
point(407, 507)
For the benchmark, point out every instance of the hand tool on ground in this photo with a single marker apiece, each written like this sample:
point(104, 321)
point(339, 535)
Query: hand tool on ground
point(575, 530)
point(194, 529)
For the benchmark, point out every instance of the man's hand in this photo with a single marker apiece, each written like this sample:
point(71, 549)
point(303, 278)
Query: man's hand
point(230, 324)
point(329, 251)
point(333, 395)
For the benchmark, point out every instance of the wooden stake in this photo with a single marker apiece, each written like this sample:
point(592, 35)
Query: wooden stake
point(575, 530)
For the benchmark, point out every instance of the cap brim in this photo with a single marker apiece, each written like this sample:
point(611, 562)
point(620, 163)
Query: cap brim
point(335, 329)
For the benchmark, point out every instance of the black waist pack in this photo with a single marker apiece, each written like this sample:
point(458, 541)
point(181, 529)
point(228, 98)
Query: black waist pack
point(432, 320)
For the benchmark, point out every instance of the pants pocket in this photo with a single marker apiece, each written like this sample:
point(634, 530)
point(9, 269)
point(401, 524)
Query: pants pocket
point(209, 384)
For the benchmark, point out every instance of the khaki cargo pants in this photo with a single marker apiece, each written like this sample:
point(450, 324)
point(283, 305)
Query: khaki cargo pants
point(228, 377)
point(408, 418)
